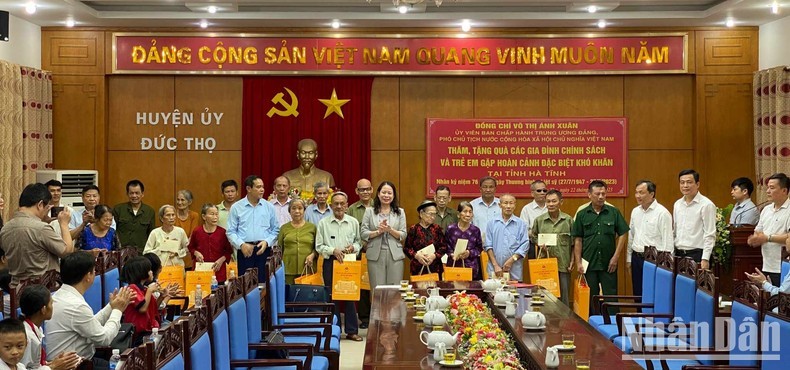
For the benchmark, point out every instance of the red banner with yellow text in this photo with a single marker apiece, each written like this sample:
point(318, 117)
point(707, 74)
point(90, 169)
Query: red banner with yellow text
point(566, 153)
point(395, 54)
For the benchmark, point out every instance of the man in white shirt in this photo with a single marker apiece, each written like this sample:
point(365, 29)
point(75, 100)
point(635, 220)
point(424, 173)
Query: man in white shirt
point(744, 212)
point(281, 200)
point(651, 226)
point(82, 216)
point(337, 236)
point(535, 208)
point(74, 327)
point(771, 231)
point(695, 221)
point(486, 206)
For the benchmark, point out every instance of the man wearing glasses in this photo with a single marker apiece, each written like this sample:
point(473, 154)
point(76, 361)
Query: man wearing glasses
point(535, 208)
point(444, 216)
point(357, 210)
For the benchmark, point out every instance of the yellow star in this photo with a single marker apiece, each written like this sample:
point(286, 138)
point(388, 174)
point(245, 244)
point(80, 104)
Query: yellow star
point(333, 105)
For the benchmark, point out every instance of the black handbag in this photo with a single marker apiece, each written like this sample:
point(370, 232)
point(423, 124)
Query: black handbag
point(274, 337)
point(123, 340)
point(306, 294)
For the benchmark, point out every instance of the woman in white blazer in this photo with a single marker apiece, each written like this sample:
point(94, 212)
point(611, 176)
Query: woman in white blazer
point(384, 229)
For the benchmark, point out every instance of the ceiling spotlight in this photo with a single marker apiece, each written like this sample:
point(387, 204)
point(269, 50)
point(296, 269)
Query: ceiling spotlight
point(730, 22)
point(592, 8)
point(30, 8)
point(466, 25)
point(601, 23)
point(403, 9)
point(212, 9)
point(204, 24)
point(70, 23)
point(438, 3)
point(775, 7)
point(335, 24)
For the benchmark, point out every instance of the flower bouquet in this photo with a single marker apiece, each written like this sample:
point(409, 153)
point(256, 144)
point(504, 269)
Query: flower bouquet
point(483, 344)
point(722, 250)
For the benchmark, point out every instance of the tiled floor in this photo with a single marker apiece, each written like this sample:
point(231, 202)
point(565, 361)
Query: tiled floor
point(352, 353)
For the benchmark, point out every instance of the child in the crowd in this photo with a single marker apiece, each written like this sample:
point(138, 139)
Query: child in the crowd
point(142, 311)
point(12, 344)
point(35, 301)
point(164, 295)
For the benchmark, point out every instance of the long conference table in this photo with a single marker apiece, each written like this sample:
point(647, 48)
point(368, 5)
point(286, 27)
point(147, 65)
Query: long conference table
point(393, 340)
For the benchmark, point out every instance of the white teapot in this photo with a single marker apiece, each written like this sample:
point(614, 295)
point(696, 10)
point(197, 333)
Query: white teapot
point(533, 320)
point(434, 318)
point(492, 285)
point(552, 358)
point(502, 297)
point(436, 301)
point(431, 338)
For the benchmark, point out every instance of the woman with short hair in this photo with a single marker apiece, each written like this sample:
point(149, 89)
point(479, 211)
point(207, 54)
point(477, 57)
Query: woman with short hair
point(168, 242)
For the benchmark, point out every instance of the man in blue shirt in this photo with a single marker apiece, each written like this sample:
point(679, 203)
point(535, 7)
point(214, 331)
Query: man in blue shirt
point(507, 242)
point(252, 227)
point(486, 206)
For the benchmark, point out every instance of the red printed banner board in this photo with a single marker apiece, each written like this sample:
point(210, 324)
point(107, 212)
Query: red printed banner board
point(416, 54)
point(566, 153)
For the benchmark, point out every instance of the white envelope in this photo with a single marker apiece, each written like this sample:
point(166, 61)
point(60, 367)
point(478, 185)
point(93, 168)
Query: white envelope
point(204, 266)
point(460, 246)
point(349, 257)
point(585, 263)
point(547, 239)
point(430, 249)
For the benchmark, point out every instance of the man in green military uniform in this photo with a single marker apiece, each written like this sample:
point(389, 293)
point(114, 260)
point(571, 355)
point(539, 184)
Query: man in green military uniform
point(135, 220)
point(599, 233)
point(554, 221)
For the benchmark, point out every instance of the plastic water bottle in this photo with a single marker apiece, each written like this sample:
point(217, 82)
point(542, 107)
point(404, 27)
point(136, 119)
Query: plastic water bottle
point(155, 337)
point(214, 283)
point(198, 296)
point(116, 357)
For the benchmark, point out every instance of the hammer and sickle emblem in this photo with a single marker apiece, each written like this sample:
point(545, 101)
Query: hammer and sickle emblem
point(289, 108)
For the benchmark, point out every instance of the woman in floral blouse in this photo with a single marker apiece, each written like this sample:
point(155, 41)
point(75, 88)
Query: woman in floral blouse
point(422, 235)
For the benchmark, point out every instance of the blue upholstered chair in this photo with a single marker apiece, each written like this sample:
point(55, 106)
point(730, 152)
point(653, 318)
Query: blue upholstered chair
point(279, 315)
point(785, 271)
point(606, 325)
point(679, 293)
point(167, 354)
point(94, 293)
point(239, 333)
point(140, 358)
point(207, 335)
point(110, 275)
point(301, 321)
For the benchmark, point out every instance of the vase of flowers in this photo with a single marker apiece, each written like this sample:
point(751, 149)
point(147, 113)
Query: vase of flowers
point(722, 250)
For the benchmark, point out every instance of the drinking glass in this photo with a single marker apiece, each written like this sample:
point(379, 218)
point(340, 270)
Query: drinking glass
point(567, 340)
point(582, 364)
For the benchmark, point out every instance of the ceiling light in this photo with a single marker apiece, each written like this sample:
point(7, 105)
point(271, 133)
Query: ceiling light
point(30, 8)
point(335, 24)
point(466, 25)
point(403, 9)
point(775, 7)
point(592, 8)
point(212, 9)
point(438, 3)
point(730, 22)
point(601, 23)
point(70, 23)
point(204, 24)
